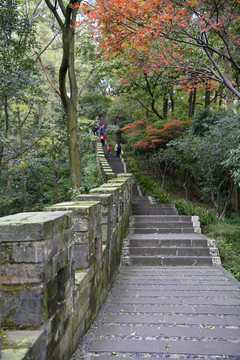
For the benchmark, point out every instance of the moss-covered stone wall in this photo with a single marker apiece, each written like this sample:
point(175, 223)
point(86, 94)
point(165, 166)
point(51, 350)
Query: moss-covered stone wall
point(57, 267)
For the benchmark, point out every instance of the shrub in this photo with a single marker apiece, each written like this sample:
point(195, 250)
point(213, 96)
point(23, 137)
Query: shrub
point(227, 235)
point(184, 207)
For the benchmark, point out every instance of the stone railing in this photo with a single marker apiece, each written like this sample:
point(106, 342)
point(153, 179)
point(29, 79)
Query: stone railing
point(57, 267)
point(105, 169)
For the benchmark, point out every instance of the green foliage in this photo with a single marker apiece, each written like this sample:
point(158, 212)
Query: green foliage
point(94, 106)
point(232, 163)
point(35, 174)
point(207, 156)
point(89, 172)
point(205, 119)
point(184, 207)
point(17, 68)
point(149, 187)
point(10, 205)
point(227, 235)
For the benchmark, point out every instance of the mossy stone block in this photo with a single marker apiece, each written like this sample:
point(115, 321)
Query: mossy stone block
point(32, 226)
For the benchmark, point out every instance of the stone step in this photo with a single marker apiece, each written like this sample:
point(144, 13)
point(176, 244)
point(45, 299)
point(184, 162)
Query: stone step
point(155, 206)
point(169, 251)
point(171, 261)
point(161, 218)
point(168, 242)
point(164, 230)
point(153, 211)
point(160, 225)
point(139, 199)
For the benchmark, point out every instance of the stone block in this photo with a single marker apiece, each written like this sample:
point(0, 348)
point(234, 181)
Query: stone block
point(81, 255)
point(23, 252)
point(78, 334)
point(32, 226)
point(22, 305)
point(22, 273)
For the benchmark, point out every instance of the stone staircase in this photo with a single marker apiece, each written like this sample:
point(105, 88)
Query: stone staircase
point(116, 164)
point(158, 236)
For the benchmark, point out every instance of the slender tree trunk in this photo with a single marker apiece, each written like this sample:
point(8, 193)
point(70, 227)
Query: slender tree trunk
point(194, 100)
point(55, 178)
point(190, 100)
point(233, 201)
point(67, 76)
point(6, 126)
point(73, 147)
point(23, 170)
point(185, 185)
point(229, 94)
point(165, 106)
point(172, 99)
point(207, 98)
point(192, 103)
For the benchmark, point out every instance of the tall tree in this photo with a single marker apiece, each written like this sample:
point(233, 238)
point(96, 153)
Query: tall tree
point(66, 18)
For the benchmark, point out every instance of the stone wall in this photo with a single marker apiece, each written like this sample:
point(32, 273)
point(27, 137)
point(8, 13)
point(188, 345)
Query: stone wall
point(57, 267)
point(103, 165)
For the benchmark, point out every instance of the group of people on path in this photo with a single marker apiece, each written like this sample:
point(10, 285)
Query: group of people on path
point(99, 130)
point(117, 149)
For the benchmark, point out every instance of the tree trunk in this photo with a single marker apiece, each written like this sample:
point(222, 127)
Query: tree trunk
point(73, 147)
point(70, 103)
point(229, 94)
point(6, 127)
point(165, 106)
point(192, 103)
point(55, 178)
point(233, 201)
point(23, 170)
point(207, 98)
point(67, 76)
point(172, 99)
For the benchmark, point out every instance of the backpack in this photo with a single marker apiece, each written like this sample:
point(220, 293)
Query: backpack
point(119, 147)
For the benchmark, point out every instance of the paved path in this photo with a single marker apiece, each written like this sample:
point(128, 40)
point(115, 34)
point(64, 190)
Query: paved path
point(167, 312)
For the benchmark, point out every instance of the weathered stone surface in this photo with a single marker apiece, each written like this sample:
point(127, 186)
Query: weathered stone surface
point(27, 252)
point(22, 273)
point(27, 345)
point(15, 354)
point(32, 226)
point(81, 254)
point(22, 305)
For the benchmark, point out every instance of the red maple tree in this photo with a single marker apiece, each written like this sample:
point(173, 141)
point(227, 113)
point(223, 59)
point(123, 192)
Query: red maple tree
point(153, 138)
point(199, 39)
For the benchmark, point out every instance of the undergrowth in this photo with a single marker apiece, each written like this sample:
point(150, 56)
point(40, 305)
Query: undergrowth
point(227, 235)
point(148, 186)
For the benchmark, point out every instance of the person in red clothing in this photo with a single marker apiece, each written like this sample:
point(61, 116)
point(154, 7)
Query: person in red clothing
point(109, 149)
point(102, 140)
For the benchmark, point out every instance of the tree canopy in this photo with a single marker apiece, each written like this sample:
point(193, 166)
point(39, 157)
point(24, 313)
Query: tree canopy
point(197, 39)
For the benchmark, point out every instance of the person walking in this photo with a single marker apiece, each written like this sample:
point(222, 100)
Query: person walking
point(102, 140)
point(118, 149)
point(109, 149)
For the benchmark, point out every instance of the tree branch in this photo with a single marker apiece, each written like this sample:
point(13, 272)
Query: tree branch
point(152, 97)
point(45, 72)
point(54, 11)
point(62, 7)
point(225, 81)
